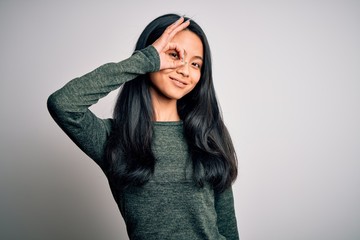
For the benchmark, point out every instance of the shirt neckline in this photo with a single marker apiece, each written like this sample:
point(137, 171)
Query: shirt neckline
point(168, 123)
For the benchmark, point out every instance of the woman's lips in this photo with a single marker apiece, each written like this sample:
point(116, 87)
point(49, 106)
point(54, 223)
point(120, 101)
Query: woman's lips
point(178, 82)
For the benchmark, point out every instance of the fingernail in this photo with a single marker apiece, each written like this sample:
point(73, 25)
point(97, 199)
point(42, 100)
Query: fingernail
point(190, 18)
point(180, 18)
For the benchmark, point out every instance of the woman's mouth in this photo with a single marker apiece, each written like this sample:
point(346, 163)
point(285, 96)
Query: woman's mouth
point(178, 82)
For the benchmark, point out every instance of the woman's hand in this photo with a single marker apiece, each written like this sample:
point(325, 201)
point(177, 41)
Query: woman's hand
point(163, 44)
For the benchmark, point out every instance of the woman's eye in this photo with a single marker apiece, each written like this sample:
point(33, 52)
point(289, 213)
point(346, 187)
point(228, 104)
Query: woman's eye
point(174, 55)
point(196, 65)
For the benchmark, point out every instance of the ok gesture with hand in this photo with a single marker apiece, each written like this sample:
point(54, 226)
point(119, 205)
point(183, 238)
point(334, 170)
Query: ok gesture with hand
point(163, 44)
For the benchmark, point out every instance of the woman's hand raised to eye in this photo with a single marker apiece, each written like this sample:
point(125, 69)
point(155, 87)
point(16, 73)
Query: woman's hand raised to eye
point(164, 45)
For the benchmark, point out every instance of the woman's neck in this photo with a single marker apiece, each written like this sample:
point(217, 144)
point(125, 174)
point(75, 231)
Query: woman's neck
point(165, 112)
point(165, 109)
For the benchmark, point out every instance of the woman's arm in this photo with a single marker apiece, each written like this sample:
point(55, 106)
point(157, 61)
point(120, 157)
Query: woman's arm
point(69, 105)
point(226, 220)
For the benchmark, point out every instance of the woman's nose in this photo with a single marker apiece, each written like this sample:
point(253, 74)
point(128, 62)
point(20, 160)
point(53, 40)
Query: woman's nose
point(183, 70)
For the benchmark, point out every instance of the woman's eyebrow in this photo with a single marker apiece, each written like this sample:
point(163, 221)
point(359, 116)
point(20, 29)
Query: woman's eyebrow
point(199, 58)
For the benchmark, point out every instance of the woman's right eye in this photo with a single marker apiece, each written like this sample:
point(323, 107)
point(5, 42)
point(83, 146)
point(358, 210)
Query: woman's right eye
point(174, 55)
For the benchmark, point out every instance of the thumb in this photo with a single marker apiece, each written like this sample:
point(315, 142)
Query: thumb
point(176, 63)
point(171, 64)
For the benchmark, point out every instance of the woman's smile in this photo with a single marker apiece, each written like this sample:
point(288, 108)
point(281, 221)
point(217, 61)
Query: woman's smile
point(179, 83)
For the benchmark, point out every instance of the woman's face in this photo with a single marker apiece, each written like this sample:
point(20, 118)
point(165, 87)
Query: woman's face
point(175, 83)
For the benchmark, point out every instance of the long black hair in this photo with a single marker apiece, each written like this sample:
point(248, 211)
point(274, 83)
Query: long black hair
point(129, 156)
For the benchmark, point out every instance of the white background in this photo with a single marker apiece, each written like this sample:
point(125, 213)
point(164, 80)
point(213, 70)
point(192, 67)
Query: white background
point(287, 75)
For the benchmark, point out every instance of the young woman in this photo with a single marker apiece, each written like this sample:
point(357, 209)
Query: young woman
point(167, 155)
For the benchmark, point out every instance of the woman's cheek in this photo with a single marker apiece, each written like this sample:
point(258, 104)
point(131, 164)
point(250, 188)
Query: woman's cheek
point(198, 78)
